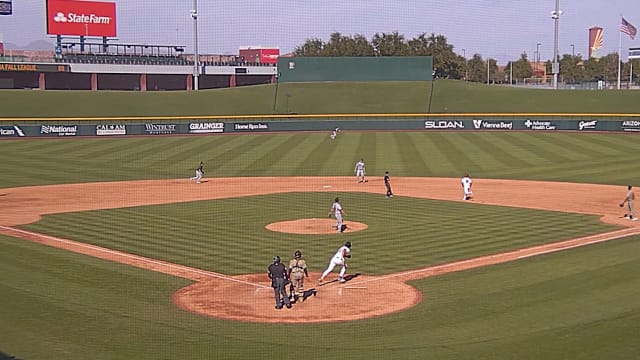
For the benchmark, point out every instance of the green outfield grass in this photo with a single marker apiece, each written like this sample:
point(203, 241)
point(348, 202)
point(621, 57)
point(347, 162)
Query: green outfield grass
point(591, 158)
point(448, 96)
point(580, 304)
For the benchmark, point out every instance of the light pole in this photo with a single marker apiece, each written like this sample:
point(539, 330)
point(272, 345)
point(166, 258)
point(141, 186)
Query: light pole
point(555, 67)
point(573, 50)
point(537, 59)
point(196, 60)
point(466, 66)
point(488, 72)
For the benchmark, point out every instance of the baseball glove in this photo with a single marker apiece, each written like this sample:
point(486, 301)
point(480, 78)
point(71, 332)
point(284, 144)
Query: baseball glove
point(329, 214)
point(621, 205)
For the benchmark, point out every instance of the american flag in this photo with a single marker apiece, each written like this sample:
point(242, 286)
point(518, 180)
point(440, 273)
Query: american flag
point(628, 29)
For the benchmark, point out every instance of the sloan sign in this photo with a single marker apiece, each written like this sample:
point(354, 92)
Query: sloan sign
point(81, 18)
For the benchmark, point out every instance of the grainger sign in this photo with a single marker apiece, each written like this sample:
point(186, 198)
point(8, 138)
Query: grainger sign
point(74, 17)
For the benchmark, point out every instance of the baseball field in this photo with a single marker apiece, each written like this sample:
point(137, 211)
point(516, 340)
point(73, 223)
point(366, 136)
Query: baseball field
point(109, 251)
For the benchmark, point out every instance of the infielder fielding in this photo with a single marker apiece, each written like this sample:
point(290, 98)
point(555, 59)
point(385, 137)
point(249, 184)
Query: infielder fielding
point(630, 199)
point(199, 173)
point(387, 184)
point(466, 187)
point(360, 171)
point(338, 259)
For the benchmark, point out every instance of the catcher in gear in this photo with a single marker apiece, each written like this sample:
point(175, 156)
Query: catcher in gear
point(297, 272)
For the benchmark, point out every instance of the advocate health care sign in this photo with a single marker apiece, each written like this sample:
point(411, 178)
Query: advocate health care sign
point(81, 18)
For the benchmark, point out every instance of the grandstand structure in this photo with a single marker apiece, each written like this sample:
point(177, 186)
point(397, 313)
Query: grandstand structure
point(110, 66)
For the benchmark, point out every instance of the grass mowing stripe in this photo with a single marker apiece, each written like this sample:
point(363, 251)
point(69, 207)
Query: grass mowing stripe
point(272, 151)
point(367, 148)
point(410, 153)
point(241, 165)
point(306, 162)
point(291, 155)
point(491, 152)
point(432, 154)
point(589, 145)
point(529, 145)
point(205, 148)
point(454, 153)
point(343, 159)
point(482, 160)
point(391, 158)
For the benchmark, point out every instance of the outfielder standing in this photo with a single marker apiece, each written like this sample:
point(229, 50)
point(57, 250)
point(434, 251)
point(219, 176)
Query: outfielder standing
point(630, 199)
point(360, 171)
point(278, 275)
point(297, 273)
point(338, 259)
point(336, 210)
point(199, 173)
point(466, 187)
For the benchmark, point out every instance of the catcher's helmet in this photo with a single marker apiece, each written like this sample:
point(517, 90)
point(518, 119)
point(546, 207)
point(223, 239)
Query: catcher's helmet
point(348, 244)
point(297, 254)
point(276, 259)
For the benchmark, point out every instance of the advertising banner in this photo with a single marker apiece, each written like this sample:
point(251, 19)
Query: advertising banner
point(260, 55)
point(206, 127)
point(24, 67)
point(81, 18)
point(269, 56)
point(59, 130)
point(102, 130)
point(11, 131)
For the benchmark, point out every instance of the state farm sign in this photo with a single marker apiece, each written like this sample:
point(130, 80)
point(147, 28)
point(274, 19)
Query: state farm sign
point(74, 17)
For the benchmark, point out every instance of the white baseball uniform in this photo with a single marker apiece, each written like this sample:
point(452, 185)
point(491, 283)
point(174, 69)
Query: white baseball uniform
point(338, 259)
point(466, 187)
point(336, 209)
point(359, 170)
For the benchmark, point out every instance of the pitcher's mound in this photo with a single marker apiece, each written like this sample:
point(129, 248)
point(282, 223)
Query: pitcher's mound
point(314, 226)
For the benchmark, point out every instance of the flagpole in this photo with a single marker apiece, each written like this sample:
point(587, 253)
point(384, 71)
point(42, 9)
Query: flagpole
point(619, 52)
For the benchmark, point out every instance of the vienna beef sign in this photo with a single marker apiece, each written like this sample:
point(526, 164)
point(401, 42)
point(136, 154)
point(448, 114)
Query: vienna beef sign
point(81, 18)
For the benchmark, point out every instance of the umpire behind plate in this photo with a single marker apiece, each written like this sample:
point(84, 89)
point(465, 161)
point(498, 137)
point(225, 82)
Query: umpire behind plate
point(277, 272)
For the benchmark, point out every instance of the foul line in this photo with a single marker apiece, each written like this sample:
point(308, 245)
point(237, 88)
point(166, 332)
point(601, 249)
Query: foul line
point(131, 256)
point(509, 256)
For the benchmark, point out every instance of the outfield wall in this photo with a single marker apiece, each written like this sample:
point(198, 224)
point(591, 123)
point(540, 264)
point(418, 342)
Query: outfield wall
point(361, 68)
point(73, 127)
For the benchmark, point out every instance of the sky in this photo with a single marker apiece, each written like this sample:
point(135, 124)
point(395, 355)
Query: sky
point(499, 29)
